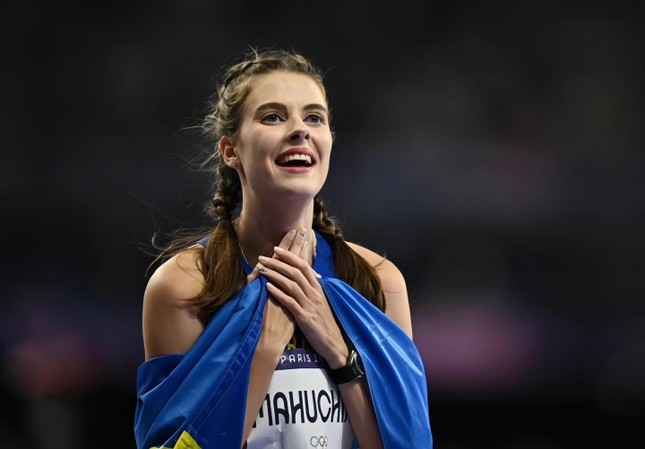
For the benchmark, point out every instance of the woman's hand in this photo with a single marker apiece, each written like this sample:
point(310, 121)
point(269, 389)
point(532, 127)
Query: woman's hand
point(277, 329)
point(278, 324)
point(295, 292)
point(294, 285)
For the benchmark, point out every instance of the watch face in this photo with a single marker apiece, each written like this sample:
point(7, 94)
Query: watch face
point(357, 362)
point(352, 371)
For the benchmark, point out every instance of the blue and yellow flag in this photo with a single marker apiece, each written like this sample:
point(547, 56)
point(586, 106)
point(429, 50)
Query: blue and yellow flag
point(198, 400)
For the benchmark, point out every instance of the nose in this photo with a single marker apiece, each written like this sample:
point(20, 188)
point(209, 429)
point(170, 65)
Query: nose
point(299, 133)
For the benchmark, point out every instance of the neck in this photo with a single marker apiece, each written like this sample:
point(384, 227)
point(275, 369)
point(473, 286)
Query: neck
point(261, 226)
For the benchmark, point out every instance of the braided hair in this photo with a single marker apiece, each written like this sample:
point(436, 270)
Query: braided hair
point(221, 258)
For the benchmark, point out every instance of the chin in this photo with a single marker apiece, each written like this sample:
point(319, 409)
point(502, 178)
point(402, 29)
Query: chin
point(300, 191)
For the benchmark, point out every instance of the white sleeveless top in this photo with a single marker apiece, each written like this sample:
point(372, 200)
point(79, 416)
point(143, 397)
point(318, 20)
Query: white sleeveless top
point(302, 408)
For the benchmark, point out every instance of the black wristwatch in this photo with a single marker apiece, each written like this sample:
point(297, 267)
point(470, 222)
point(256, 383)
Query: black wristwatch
point(351, 371)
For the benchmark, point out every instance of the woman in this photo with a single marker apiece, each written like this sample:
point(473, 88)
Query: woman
point(286, 354)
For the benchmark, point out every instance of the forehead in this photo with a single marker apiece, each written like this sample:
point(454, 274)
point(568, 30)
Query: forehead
point(291, 89)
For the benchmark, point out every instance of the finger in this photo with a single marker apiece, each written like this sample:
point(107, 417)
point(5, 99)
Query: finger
point(285, 276)
point(253, 275)
point(285, 243)
point(288, 239)
point(283, 267)
point(299, 241)
point(308, 251)
point(290, 305)
point(257, 271)
point(298, 282)
point(305, 268)
point(304, 250)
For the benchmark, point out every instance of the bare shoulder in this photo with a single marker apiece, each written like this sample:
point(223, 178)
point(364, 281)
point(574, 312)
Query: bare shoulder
point(392, 279)
point(170, 325)
point(179, 277)
point(393, 284)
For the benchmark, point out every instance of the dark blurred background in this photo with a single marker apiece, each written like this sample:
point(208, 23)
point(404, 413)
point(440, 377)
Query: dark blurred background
point(493, 151)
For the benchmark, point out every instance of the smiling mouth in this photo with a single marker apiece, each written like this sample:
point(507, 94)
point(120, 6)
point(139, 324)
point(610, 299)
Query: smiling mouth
point(295, 160)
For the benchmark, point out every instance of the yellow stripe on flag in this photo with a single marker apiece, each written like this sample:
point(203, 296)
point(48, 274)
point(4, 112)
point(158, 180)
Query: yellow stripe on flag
point(185, 441)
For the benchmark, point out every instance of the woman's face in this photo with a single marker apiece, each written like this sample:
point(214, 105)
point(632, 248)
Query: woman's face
point(284, 140)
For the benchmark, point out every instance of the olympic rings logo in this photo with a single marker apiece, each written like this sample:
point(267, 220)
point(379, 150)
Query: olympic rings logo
point(319, 441)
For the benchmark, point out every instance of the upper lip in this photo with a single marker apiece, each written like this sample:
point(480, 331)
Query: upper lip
point(298, 150)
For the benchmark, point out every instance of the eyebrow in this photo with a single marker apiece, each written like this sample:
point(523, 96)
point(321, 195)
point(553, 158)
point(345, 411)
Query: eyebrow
point(280, 106)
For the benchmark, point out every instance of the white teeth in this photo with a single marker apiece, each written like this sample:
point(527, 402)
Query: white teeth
point(295, 157)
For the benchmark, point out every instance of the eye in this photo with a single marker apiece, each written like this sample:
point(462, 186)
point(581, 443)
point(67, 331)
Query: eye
point(272, 117)
point(315, 119)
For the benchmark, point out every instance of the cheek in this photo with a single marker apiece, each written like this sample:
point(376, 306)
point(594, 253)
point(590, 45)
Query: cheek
point(325, 145)
point(329, 151)
point(326, 158)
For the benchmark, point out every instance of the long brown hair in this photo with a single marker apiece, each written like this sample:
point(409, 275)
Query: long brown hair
point(221, 259)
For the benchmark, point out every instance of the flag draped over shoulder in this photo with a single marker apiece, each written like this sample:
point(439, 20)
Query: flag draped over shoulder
point(198, 400)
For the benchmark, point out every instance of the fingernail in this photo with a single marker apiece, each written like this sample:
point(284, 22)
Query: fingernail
point(279, 250)
point(262, 257)
point(317, 275)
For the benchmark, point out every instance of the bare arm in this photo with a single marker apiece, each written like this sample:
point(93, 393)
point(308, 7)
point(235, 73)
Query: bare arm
point(169, 325)
point(394, 288)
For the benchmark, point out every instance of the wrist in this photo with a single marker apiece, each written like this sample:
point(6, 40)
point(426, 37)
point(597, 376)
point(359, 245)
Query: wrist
point(351, 371)
point(339, 359)
point(268, 352)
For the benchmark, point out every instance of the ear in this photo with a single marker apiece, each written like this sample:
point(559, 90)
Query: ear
point(228, 153)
